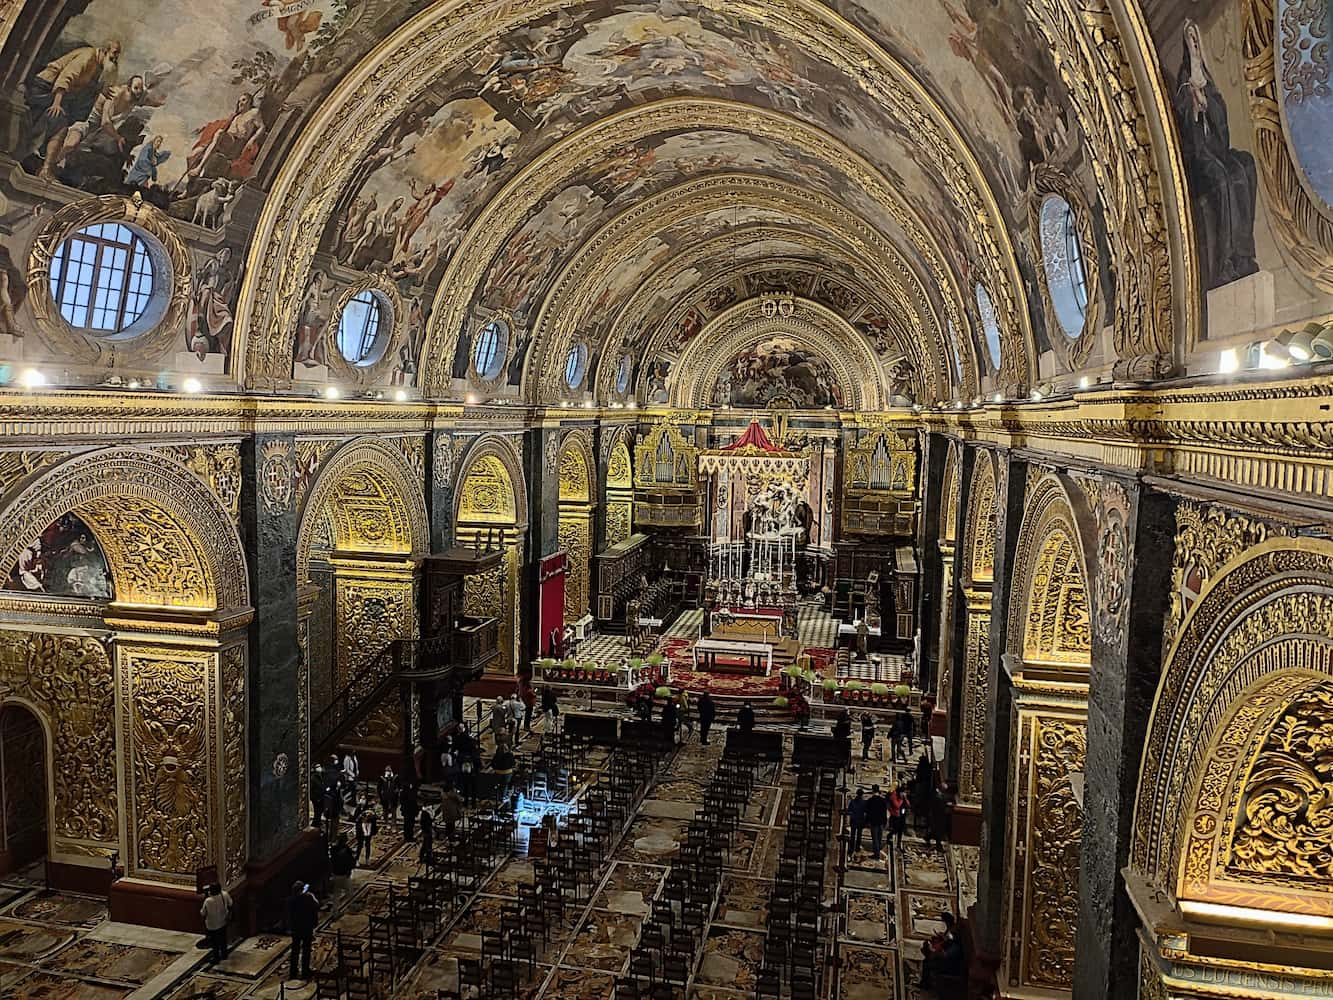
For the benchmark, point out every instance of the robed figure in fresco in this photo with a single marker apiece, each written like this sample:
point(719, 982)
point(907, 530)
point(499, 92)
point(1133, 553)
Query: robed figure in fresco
point(1223, 181)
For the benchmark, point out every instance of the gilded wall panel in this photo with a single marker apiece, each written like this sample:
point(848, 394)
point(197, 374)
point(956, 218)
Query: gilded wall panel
point(219, 465)
point(235, 777)
point(971, 777)
point(1045, 836)
point(493, 595)
point(170, 780)
point(944, 682)
point(576, 539)
point(371, 614)
point(619, 518)
point(70, 680)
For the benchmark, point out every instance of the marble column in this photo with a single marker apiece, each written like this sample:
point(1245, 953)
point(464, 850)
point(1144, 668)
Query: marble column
point(541, 467)
point(277, 692)
point(1129, 601)
point(441, 477)
point(1010, 489)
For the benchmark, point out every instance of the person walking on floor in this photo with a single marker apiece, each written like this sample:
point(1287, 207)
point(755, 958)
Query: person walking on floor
point(302, 915)
point(897, 803)
point(388, 792)
point(856, 814)
point(341, 863)
point(410, 809)
point(333, 804)
point(842, 726)
point(469, 763)
point(550, 709)
point(669, 719)
point(908, 726)
point(937, 818)
point(367, 825)
point(877, 814)
point(745, 718)
point(427, 855)
point(707, 710)
point(686, 717)
point(867, 735)
point(529, 699)
point(216, 912)
point(451, 810)
point(927, 714)
point(896, 737)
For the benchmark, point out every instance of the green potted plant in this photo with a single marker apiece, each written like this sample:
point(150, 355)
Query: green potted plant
point(830, 686)
point(780, 702)
point(880, 691)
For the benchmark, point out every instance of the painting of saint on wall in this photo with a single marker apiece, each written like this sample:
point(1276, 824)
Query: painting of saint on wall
point(778, 372)
point(179, 103)
point(66, 560)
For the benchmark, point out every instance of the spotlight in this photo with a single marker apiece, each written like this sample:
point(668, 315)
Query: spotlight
point(134, 383)
point(587, 404)
point(32, 379)
point(400, 396)
point(564, 403)
point(633, 404)
point(192, 385)
point(998, 397)
point(1035, 395)
point(958, 405)
point(1085, 382)
point(1300, 347)
point(332, 392)
point(471, 399)
point(1228, 361)
point(1321, 341)
point(1273, 355)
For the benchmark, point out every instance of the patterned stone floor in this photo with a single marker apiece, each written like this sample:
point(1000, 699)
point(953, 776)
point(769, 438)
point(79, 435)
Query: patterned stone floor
point(62, 947)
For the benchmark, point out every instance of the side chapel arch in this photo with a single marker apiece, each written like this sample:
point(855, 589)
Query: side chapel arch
point(578, 478)
point(619, 514)
point(490, 508)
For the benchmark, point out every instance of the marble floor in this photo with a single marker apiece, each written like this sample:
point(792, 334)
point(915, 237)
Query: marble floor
point(56, 946)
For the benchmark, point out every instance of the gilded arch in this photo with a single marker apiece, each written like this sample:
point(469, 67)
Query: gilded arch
point(374, 502)
point(168, 539)
point(578, 489)
point(949, 491)
point(619, 488)
point(494, 454)
point(1227, 813)
point(979, 533)
point(859, 372)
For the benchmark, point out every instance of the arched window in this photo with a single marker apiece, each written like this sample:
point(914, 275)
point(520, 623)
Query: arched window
point(1062, 256)
point(990, 325)
point(575, 365)
point(623, 373)
point(363, 332)
point(488, 354)
point(102, 279)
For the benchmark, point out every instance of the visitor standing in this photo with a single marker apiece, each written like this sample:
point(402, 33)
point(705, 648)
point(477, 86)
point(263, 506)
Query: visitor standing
point(302, 915)
point(897, 803)
point(367, 825)
point(856, 814)
point(388, 790)
point(451, 810)
point(669, 719)
point(908, 726)
point(707, 710)
point(927, 715)
point(341, 863)
point(877, 813)
point(427, 855)
point(867, 735)
point(842, 726)
point(745, 718)
point(410, 808)
point(529, 699)
point(216, 912)
point(550, 709)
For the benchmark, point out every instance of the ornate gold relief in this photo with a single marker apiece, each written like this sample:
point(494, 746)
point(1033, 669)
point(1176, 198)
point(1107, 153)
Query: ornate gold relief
point(882, 462)
point(1303, 224)
point(17, 465)
point(371, 614)
point(170, 785)
point(979, 543)
point(950, 495)
point(172, 263)
point(1115, 556)
point(1073, 351)
point(276, 477)
point(391, 301)
point(976, 665)
point(219, 466)
point(70, 680)
point(1045, 837)
point(235, 777)
point(1058, 628)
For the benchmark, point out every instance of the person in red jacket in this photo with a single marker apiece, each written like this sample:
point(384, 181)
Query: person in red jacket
point(897, 803)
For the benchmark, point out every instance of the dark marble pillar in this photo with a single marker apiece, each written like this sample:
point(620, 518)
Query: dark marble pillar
point(441, 478)
point(269, 523)
point(934, 450)
point(541, 461)
point(1129, 600)
point(1010, 489)
point(953, 744)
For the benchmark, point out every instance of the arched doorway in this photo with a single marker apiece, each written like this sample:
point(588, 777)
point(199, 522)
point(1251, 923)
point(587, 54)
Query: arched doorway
point(23, 782)
point(576, 512)
point(489, 514)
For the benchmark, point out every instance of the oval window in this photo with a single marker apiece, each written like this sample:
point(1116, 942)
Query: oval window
point(488, 354)
point(575, 365)
point(990, 325)
point(104, 281)
point(623, 373)
point(1062, 256)
point(1301, 40)
point(363, 329)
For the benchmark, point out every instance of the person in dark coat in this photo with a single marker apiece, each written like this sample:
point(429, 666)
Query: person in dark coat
point(927, 714)
point(302, 915)
point(451, 810)
point(317, 797)
point(856, 814)
point(842, 726)
point(367, 825)
point(388, 791)
point(410, 807)
point(867, 735)
point(907, 725)
point(333, 805)
point(745, 718)
point(341, 863)
point(669, 719)
point(937, 818)
point(877, 814)
point(427, 838)
point(707, 711)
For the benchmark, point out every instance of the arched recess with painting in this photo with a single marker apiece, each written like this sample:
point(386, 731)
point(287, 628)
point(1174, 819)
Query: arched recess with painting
point(490, 512)
point(123, 654)
point(1048, 642)
point(976, 577)
point(363, 530)
point(1232, 825)
point(619, 514)
point(578, 475)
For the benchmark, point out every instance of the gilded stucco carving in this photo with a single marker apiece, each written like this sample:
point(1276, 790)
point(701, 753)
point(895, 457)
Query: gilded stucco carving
point(1302, 223)
point(578, 480)
point(133, 211)
point(950, 496)
point(1115, 556)
point(18, 465)
point(979, 539)
point(1045, 837)
point(69, 678)
point(371, 614)
point(168, 539)
point(442, 462)
point(169, 782)
point(976, 670)
point(277, 474)
point(1264, 615)
point(219, 466)
point(235, 777)
point(619, 492)
point(303, 763)
point(493, 487)
point(1094, 63)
